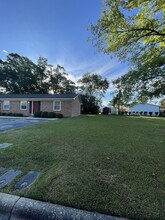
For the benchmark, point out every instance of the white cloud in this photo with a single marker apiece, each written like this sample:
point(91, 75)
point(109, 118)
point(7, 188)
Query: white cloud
point(76, 68)
point(4, 51)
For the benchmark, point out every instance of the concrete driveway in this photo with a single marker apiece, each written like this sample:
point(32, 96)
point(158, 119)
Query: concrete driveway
point(8, 123)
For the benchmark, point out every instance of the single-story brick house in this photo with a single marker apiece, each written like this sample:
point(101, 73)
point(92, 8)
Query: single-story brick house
point(27, 104)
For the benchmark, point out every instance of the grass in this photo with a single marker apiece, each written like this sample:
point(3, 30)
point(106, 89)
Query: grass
point(114, 165)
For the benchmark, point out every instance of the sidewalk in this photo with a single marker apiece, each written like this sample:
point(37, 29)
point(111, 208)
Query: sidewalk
point(19, 208)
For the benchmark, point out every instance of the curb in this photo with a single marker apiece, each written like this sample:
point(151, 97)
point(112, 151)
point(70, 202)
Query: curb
point(20, 208)
point(27, 118)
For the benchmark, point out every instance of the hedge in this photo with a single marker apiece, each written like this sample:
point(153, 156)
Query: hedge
point(11, 114)
point(48, 115)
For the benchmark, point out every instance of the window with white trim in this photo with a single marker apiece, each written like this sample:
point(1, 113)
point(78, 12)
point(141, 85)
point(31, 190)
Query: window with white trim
point(6, 105)
point(57, 106)
point(23, 105)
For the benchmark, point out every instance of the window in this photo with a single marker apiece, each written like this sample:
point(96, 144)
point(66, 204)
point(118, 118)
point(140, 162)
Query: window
point(23, 105)
point(6, 105)
point(57, 106)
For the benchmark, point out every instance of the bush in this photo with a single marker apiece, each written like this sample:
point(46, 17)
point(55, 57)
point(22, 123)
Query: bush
point(150, 113)
point(37, 114)
point(145, 113)
point(11, 114)
point(4, 113)
point(1, 113)
point(162, 114)
point(18, 114)
point(156, 113)
point(141, 113)
point(48, 115)
point(51, 115)
point(89, 105)
point(44, 114)
point(129, 113)
point(58, 115)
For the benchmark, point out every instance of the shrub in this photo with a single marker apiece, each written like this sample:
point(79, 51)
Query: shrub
point(18, 114)
point(37, 114)
point(141, 113)
point(44, 114)
point(150, 113)
point(156, 113)
point(11, 114)
point(4, 113)
point(162, 114)
point(129, 113)
point(48, 114)
point(51, 115)
point(58, 115)
point(145, 113)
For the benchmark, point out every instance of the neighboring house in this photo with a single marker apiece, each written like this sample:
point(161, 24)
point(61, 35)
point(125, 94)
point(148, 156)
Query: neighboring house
point(108, 110)
point(145, 109)
point(28, 104)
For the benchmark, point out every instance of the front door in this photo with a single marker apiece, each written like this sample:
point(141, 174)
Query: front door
point(36, 106)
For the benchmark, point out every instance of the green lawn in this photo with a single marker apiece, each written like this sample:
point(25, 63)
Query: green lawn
point(109, 164)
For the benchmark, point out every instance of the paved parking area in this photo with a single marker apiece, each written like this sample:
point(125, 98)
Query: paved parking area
point(12, 123)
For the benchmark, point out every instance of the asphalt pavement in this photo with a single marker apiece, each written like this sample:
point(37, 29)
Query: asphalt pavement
point(8, 123)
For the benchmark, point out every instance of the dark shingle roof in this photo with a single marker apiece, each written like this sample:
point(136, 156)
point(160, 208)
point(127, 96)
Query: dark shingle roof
point(40, 96)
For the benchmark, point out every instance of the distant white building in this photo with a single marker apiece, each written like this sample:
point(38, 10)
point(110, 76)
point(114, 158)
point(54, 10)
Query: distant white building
point(145, 109)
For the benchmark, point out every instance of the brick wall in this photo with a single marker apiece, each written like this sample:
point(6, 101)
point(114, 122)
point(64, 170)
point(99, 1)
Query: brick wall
point(66, 107)
point(15, 108)
point(76, 107)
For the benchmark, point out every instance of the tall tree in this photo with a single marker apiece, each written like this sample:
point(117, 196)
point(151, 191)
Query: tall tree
point(117, 101)
point(92, 88)
point(18, 74)
point(131, 29)
point(134, 31)
point(145, 82)
point(93, 84)
point(43, 72)
point(59, 82)
point(89, 105)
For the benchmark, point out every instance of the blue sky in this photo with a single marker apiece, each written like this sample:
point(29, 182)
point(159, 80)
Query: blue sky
point(57, 30)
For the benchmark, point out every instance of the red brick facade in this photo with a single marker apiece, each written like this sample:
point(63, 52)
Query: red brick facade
point(69, 108)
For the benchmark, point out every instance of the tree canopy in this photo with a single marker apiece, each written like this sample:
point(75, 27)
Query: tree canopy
point(92, 87)
point(59, 82)
point(144, 82)
point(93, 84)
point(18, 74)
point(131, 29)
point(134, 31)
point(90, 105)
point(162, 103)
